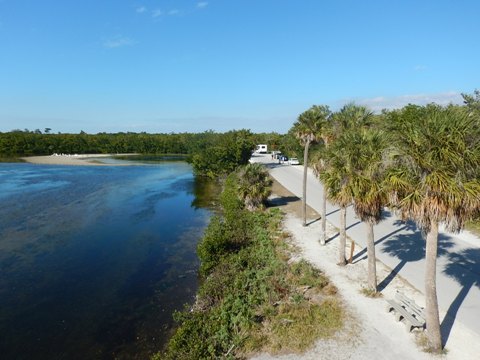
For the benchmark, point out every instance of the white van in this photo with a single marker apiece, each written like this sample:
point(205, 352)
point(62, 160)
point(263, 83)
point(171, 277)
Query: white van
point(262, 149)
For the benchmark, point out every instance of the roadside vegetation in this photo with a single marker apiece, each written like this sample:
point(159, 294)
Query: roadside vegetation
point(252, 298)
point(420, 161)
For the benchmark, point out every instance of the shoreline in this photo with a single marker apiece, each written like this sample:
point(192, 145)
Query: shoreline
point(76, 160)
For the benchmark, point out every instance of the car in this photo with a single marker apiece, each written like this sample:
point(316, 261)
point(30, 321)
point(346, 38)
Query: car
point(293, 161)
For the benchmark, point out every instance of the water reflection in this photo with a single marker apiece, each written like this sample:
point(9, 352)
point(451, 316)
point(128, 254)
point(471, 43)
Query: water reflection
point(94, 260)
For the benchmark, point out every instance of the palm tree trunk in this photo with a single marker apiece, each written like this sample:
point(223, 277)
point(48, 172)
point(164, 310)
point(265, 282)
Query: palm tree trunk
point(342, 261)
point(323, 235)
point(305, 168)
point(372, 267)
point(431, 308)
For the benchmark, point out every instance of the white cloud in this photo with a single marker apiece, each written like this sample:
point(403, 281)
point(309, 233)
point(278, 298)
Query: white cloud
point(420, 68)
point(156, 13)
point(395, 102)
point(202, 4)
point(141, 9)
point(118, 41)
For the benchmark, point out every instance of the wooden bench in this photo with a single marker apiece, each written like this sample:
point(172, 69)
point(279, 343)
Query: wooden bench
point(406, 309)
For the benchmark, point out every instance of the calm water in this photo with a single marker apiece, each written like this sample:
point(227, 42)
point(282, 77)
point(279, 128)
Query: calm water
point(93, 260)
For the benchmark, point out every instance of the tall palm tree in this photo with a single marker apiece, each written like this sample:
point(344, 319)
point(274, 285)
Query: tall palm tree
point(435, 178)
point(308, 129)
point(335, 179)
point(366, 149)
point(351, 116)
point(254, 185)
point(318, 166)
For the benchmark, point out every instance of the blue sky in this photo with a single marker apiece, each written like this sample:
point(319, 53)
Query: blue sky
point(186, 65)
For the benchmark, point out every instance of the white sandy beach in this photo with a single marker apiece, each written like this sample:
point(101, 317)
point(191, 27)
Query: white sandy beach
point(82, 160)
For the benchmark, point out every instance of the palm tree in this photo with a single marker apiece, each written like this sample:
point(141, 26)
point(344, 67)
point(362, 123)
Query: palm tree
point(318, 167)
point(472, 101)
point(366, 148)
point(351, 116)
point(335, 179)
point(308, 129)
point(254, 185)
point(435, 178)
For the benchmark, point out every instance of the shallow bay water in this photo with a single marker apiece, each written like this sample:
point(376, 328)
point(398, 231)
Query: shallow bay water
point(93, 260)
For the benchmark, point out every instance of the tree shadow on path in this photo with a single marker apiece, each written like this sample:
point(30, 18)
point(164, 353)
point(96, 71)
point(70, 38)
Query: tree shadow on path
point(410, 248)
point(406, 226)
point(464, 267)
point(314, 221)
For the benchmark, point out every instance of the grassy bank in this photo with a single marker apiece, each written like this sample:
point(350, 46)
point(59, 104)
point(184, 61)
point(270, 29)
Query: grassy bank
point(252, 298)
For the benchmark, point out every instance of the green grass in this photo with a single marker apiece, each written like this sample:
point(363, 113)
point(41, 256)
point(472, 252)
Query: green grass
point(296, 325)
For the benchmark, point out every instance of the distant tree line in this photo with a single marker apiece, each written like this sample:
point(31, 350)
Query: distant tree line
point(211, 154)
point(29, 143)
point(20, 143)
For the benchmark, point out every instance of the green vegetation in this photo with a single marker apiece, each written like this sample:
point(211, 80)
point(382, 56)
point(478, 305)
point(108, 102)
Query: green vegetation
point(19, 143)
point(421, 161)
point(254, 186)
point(211, 154)
point(251, 298)
point(219, 154)
point(310, 128)
point(8, 159)
point(435, 178)
point(354, 174)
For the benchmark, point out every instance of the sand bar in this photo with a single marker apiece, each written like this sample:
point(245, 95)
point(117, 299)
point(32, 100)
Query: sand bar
point(82, 160)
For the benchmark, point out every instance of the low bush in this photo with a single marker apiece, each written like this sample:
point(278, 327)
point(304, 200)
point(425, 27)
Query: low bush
point(251, 298)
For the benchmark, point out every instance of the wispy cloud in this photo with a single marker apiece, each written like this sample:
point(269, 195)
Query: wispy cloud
point(118, 41)
point(395, 102)
point(141, 9)
point(420, 68)
point(202, 4)
point(156, 13)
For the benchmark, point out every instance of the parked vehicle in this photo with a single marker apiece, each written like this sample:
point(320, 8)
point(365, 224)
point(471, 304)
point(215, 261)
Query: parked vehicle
point(276, 154)
point(293, 161)
point(261, 149)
